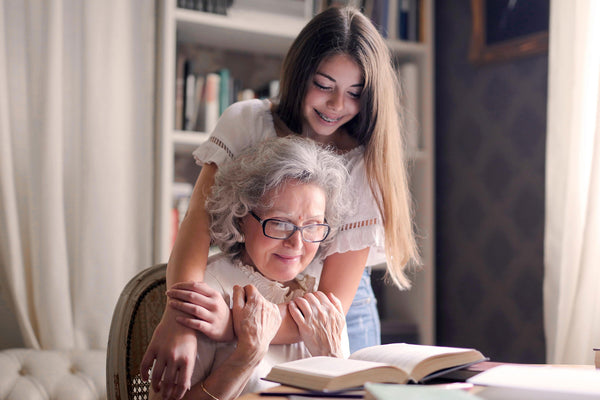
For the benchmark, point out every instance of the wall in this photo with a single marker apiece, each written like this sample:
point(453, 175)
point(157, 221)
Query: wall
point(490, 139)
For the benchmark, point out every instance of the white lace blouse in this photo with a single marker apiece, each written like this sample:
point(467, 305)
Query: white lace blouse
point(222, 274)
point(248, 122)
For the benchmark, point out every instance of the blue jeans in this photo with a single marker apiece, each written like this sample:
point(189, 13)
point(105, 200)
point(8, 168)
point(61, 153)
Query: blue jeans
point(362, 319)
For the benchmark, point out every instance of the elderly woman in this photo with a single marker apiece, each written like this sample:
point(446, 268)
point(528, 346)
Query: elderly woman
point(272, 208)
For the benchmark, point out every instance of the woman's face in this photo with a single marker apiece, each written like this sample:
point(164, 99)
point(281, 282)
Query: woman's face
point(282, 260)
point(332, 98)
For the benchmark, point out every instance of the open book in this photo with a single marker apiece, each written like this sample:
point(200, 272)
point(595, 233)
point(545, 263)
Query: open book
point(395, 363)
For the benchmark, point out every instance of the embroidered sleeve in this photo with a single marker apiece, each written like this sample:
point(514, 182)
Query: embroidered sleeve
point(241, 125)
point(358, 235)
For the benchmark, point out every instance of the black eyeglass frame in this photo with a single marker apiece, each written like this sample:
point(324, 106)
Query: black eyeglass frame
point(263, 223)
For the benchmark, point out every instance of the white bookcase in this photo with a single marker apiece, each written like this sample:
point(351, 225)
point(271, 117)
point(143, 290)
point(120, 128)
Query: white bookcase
point(270, 34)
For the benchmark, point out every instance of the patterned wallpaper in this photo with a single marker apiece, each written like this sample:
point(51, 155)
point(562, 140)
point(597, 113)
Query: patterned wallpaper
point(490, 155)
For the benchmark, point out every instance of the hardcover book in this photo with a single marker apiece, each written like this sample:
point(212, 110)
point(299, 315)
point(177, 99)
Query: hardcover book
point(392, 363)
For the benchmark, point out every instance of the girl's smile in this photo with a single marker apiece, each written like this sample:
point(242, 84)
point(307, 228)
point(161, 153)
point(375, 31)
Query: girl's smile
point(332, 99)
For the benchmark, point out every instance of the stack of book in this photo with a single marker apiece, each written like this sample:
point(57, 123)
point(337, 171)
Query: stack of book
point(395, 19)
point(211, 6)
point(200, 98)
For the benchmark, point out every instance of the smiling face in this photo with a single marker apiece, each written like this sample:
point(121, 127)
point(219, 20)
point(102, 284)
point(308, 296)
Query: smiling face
point(332, 98)
point(282, 260)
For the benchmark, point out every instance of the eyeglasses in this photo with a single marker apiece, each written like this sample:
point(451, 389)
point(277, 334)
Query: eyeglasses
point(278, 229)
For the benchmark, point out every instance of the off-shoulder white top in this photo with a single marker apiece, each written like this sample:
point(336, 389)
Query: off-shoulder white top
point(248, 122)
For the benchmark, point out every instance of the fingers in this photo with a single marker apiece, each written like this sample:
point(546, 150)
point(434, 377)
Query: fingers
point(192, 310)
point(239, 300)
point(336, 302)
point(252, 293)
point(169, 380)
point(185, 375)
point(197, 287)
point(191, 297)
point(157, 373)
point(147, 362)
point(295, 313)
point(314, 305)
point(304, 307)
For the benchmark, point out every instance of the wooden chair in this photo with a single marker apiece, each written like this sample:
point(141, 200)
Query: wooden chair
point(138, 311)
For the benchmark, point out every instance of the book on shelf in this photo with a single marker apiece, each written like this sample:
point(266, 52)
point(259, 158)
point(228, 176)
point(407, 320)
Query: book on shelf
point(408, 16)
point(224, 89)
point(378, 12)
point(179, 90)
point(413, 21)
point(201, 97)
point(211, 6)
point(402, 19)
point(268, 90)
point(189, 99)
point(393, 363)
point(392, 21)
point(395, 19)
point(518, 381)
point(208, 112)
point(409, 80)
point(196, 101)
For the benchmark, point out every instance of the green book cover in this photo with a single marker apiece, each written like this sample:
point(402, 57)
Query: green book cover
point(385, 391)
point(223, 90)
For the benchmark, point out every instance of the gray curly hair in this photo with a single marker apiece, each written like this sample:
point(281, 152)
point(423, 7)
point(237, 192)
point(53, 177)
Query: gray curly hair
point(241, 183)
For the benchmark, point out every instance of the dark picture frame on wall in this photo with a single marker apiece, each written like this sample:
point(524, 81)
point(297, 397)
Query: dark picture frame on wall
point(508, 29)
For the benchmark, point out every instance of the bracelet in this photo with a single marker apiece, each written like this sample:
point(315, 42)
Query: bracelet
point(207, 392)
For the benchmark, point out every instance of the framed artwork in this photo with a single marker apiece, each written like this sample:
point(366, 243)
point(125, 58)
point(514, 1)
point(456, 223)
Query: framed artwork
point(508, 29)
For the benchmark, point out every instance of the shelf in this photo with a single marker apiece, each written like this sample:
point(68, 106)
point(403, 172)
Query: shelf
point(244, 31)
point(404, 51)
point(185, 141)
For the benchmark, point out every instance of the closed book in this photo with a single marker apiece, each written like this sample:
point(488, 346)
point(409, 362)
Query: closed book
point(209, 109)
point(224, 89)
point(547, 382)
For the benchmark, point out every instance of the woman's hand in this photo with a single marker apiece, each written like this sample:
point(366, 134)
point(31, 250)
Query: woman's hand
point(205, 309)
point(320, 319)
point(256, 321)
point(172, 350)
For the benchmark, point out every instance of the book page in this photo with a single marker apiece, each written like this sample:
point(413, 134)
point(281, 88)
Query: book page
point(327, 366)
point(403, 355)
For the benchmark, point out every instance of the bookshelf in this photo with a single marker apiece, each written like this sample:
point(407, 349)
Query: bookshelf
point(265, 36)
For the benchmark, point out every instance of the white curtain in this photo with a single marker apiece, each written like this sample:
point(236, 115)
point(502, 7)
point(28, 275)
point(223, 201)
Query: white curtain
point(572, 232)
point(76, 156)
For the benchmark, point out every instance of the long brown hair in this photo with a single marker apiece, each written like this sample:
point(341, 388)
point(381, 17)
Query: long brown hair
point(377, 126)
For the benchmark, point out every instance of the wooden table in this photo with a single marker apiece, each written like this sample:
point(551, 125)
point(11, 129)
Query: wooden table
point(288, 389)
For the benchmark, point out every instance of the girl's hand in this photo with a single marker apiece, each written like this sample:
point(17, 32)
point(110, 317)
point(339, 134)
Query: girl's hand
point(320, 319)
point(256, 321)
point(205, 309)
point(172, 350)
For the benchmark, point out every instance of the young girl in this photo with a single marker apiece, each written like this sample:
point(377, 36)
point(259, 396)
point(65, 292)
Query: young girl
point(338, 87)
